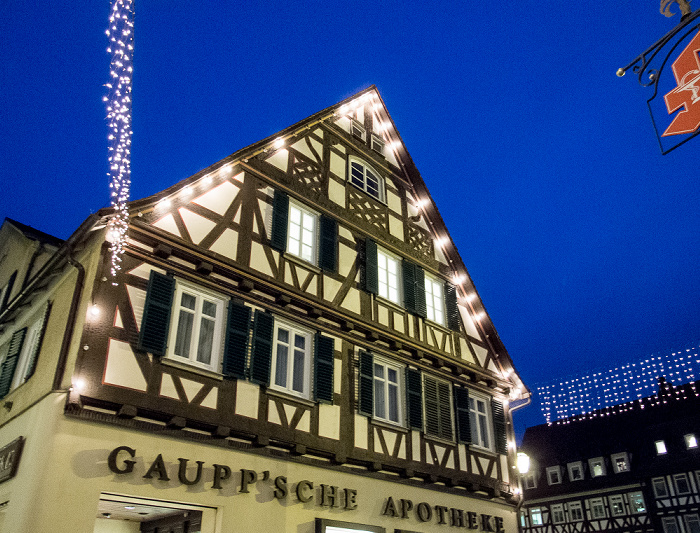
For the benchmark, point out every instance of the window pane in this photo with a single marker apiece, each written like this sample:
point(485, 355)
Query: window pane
point(379, 371)
point(188, 301)
point(281, 366)
point(206, 340)
point(484, 431)
point(393, 403)
point(298, 378)
point(379, 401)
point(184, 333)
point(209, 308)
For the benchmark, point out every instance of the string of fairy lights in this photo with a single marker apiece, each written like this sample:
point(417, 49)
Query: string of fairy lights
point(121, 46)
point(600, 393)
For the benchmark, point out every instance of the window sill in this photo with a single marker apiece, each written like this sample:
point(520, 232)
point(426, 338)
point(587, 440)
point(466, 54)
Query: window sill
point(167, 361)
point(440, 440)
point(284, 395)
point(388, 425)
point(301, 262)
point(393, 305)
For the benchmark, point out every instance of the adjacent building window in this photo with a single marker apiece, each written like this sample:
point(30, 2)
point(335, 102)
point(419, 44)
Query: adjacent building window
point(617, 505)
point(554, 475)
point(529, 481)
point(597, 466)
point(670, 525)
point(597, 508)
point(536, 516)
point(437, 407)
point(681, 482)
point(575, 511)
point(479, 421)
point(637, 502)
point(659, 484)
point(367, 179)
point(557, 513)
point(691, 441)
point(575, 471)
point(692, 523)
point(387, 391)
point(434, 300)
point(291, 359)
point(660, 447)
point(620, 462)
point(388, 276)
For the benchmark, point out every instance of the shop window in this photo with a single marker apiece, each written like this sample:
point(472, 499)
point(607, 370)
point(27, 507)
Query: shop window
point(536, 516)
point(575, 471)
point(691, 441)
point(681, 483)
point(692, 523)
point(291, 359)
point(637, 502)
point(617, 505)
point(554, 475)
point(670, 525)
point(388, 276)
point(597, 508)
point(620, 462)
point(575, 511)
point(434, 300)
point(557, 511)
point(324, 525)
point(387, 391)
point(660, 447)
point(597, 466)
point(660, 490)
point(366, 179)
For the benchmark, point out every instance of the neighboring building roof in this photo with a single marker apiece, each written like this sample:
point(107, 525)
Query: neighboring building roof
point(34, 234)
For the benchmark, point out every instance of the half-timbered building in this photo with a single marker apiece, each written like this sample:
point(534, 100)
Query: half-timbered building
point(291, 343)
point(634, 467)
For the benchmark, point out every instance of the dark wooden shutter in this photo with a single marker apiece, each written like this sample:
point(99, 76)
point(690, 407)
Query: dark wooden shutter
point(34, 356)
point(261, 353)
point(452, 311)
point(7, 371)
point(236, 347)
point(328, 249)
point(8, 290)
point(445, 406)
point(370, 272)
point(156, 314)
point(464, 431)
point(366, 384)
point(280, 215)
point(323, 368)
point(499, 426)
point(414, 398)
point(438, 411)
point(413, 288)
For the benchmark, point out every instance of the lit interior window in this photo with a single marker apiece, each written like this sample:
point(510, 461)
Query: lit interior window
point(660, 447)
point(691, 441)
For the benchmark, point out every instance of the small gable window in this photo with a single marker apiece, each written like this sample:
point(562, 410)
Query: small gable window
point(554, 475)
point(367, 179)
point(620, 462)
point(377, 144)
point(575, 471)
point(597, 466)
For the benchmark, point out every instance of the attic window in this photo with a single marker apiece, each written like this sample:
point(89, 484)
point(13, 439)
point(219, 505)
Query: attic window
point(364, 177)
point(357, 129)
point(377, 144)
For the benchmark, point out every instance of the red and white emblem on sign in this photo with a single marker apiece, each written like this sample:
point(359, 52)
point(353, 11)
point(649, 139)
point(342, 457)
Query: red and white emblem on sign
point(686, 68)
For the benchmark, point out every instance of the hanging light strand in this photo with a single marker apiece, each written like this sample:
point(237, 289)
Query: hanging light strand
point(118, 99)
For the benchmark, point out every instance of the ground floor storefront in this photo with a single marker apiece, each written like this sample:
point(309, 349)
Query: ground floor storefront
point(72, 474)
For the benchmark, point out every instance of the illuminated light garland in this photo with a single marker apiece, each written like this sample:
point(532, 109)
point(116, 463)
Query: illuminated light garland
point(118, 99)
point(621, 389)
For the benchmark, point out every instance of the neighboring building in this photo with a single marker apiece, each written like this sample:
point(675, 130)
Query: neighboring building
point(292, 344)
point(634, 467)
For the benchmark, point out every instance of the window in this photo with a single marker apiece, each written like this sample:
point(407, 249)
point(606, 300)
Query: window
point(660, 447)
point(597, 508)
point(597, 466)
point(670, 525)
point(691, 441)
point(365, 178)
point(681, 482)
point(434, 301)
point(620, 462)
point(357, 129)
point(617, 505)
point(479, 421)
point(536, 516)
point(437, 407)
point(377, 144)
point(557, 513)
point(196, 327)
point(554, 475)
point(388, 277)
point(301, 233)
point(387, 391)
point(692, 523)
point(575, 471)
point(637, 502)
point(529, 481)
point(575, 511)
point(659, 485)
point(291, 359)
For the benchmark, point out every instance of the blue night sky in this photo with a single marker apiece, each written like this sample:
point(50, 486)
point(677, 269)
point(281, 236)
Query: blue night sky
point(582, 240)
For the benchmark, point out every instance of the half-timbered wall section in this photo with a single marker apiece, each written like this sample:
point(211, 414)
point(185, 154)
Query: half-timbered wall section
point(634, 468)
point(303, 296)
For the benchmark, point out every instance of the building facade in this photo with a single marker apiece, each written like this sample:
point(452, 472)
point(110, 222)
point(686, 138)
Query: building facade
point(292, 343)
point(632, 468)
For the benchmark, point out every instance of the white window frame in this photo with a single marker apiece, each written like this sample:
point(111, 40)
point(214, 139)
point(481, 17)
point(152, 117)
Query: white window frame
point(691, 521)
point(632, 497)
point(575, 507)
point(389, 283)
point(361, 182)
point(670, 524)
point(684, 477)
point(357, 129)
point(302, 232)
point(658, 482)
point(571, 468)
point(691, 441)
point(201, 295)
point(384, 384)
point(592, 464)
point(536, 516)
point(29, 346)
point(597, 508)
point(480, 421)
point(288, 386)
point(529, 481)
point(558, 516)
point(554, 475)
point(626, 462)
point(660, 447)
point(377, 143)
point(614, 500)
point(435, 299)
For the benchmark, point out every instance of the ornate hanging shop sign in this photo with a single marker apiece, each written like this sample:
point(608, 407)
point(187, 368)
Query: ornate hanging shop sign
point(674, 104)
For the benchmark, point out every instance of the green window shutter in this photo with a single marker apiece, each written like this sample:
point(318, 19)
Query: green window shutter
point(328, 249)
point(31, 365)
point(414, 398)
point(438, 411)
point(366, 384)
point(323, 368)
point(7, 370)
point(371, 273)
point(464, 431)
point(261, 353)
point(236, 346)
point(280, 215)
point(445, 406)
point(499, 426)
point(8, 291)
point(413, 288)
point(156, 314)
point(452, 311)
